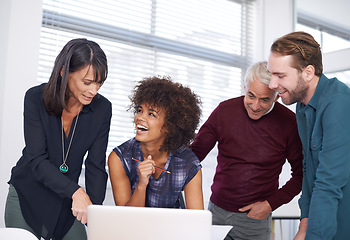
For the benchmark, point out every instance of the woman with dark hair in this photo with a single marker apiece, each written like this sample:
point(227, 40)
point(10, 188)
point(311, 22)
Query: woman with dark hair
point(153, 168)
point(63, 120)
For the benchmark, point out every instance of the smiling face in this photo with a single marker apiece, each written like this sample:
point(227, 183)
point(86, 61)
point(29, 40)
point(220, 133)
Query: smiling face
point(82, 85)
point(149, 124)
point(286, 80)
point(259, 99)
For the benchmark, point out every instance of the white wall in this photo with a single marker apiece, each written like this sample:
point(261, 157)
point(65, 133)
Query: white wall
point(275, 19)
point(20, 22)
point(336, 61)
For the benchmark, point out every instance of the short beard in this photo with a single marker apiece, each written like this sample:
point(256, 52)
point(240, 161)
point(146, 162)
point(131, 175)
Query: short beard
point(298, 94)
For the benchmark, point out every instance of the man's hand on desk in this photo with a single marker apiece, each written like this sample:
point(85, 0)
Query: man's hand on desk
point(258, 210)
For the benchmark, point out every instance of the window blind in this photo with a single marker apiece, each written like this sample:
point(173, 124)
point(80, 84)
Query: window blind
point(330, 37)
point(203, 44)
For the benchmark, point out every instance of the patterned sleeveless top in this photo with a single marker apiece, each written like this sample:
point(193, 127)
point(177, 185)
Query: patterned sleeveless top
point(163, 192)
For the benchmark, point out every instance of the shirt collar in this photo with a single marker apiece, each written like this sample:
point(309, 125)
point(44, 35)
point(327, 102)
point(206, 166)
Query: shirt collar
point(318, 92)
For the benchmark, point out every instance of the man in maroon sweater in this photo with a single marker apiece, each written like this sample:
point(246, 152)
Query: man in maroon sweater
point(255, 136)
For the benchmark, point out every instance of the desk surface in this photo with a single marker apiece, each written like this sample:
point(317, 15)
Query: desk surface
point(219, 232)
point(16, 233)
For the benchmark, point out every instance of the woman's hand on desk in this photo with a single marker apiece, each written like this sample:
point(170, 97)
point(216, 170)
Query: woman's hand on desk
point(258, 210)
point(79, 206)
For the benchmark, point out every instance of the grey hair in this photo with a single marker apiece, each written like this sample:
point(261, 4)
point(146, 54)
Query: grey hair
point(258, 71)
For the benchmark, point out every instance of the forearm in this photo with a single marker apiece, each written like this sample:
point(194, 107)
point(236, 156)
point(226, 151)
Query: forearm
point(302, 229)
point(96, 186)
point(95, 172)
point(293, 186)
point(50, 177)
point(96, 177)
point(303, 224)
point(138, 198)
point(286, 193)
point(304, 201)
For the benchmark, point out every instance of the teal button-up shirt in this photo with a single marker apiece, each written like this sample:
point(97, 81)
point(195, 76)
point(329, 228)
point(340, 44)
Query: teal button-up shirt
point(324, 129)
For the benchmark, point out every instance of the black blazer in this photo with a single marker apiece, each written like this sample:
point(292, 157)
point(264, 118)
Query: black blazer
point(44, 192)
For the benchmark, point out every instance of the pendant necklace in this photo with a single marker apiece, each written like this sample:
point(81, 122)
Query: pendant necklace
point(64, 167)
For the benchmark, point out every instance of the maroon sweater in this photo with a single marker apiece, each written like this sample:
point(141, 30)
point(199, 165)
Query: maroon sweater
point(251, 155)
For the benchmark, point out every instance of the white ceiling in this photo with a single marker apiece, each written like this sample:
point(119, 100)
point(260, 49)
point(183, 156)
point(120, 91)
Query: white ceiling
point(335, 12)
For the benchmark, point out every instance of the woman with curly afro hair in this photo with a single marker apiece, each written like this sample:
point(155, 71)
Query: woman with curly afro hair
point(154, 167)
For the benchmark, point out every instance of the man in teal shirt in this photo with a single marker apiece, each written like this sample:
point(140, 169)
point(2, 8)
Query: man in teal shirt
point(323, 117)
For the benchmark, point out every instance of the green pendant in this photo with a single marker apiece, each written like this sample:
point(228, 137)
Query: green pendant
point(63, 168)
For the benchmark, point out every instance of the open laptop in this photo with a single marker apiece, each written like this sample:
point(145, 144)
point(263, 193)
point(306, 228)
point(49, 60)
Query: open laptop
point(131, 223)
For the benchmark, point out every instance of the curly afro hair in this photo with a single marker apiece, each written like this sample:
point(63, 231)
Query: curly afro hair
point(182, 109)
